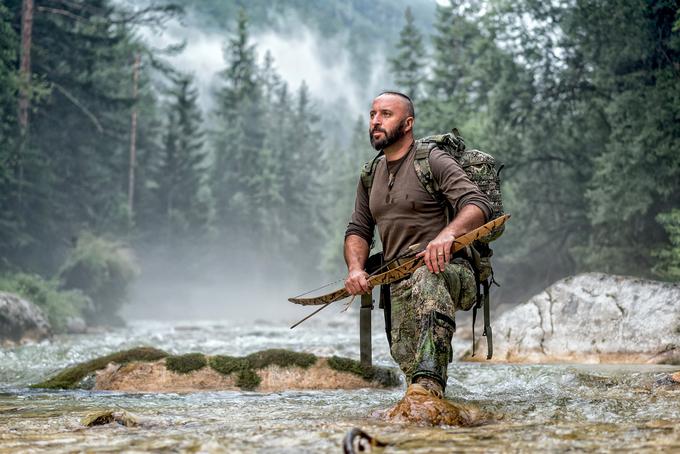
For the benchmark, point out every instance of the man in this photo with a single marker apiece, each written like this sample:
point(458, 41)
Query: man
point(423, 305)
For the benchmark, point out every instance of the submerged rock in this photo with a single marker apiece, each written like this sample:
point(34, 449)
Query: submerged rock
point(103, 417)
point(419, 406)
point(593, 318)
point(149, 370)
point(98, 418)
point(21, 321)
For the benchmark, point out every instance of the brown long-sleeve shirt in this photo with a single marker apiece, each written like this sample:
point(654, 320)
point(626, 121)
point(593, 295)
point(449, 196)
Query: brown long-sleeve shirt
point(407, 214)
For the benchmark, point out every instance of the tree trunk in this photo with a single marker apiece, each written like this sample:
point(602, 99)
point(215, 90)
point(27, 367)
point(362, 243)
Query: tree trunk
point(25, 75)
point(133, 139)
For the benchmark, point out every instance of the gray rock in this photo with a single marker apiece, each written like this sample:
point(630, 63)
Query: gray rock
point(21, 321)
point(76, 325)
point(593, 318)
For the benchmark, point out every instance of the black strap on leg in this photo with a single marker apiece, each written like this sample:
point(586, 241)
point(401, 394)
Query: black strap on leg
point(487, 321)
point(386, 304)
point(477, 305)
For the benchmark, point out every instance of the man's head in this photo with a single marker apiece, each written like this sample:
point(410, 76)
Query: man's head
point(391, 119)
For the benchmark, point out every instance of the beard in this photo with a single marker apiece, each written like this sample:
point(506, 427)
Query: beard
point(389, 137)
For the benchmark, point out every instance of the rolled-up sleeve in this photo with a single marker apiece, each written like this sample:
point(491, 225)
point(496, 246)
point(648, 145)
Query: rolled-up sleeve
point(361, 223)
point(455, 184)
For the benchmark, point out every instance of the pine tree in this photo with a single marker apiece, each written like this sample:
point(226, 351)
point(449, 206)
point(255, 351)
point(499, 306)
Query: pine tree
point(180, 173)
point(408, 65)
point(240, 132)
point(451, 86)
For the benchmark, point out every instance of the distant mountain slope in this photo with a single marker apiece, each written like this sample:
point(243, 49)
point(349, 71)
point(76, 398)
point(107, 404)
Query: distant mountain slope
point(366, 29)
point(367, 20)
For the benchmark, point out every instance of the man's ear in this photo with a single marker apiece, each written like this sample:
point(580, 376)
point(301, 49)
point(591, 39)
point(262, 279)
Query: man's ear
point(409, 124)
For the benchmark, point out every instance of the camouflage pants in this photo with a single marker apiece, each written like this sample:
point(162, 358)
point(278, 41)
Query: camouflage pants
point(423, 320)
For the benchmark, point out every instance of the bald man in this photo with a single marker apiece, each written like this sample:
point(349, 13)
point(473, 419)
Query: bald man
point(423, 306)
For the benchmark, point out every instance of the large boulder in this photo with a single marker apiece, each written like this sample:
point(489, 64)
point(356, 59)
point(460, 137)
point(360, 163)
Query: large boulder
point(593, 318)
point(21, 321)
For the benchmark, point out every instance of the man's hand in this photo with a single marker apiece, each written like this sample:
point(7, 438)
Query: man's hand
point(438, 252)
point(357, 282)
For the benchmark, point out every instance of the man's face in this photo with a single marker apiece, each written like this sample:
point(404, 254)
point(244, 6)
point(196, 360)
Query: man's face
point(388, 123)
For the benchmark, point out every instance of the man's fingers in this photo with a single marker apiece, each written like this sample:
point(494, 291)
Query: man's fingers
point(364, 286)
point(441, 260)
point(430, 260)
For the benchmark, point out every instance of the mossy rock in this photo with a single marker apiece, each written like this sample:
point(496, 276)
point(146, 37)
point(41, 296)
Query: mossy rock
point(382, 375)
point(72, 376)
point(245, 367)
point(183, 364)
point(228, 364)
point(247, 379)
point(280, 357)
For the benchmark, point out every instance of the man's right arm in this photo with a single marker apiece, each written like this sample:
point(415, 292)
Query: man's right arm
point(357, 243)
point(356, 253)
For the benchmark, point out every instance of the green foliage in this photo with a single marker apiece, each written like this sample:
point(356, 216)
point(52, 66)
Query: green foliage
point(247, 379)
point(668, 265)
point(183, 364)
point(179, 178)
point(70, 377)
point(103, 270)
point(58, 305)
point(408, 64)
point(246, 367)
point(280, 357)
point(579, 99)
point(228, 364)
point(381, 375)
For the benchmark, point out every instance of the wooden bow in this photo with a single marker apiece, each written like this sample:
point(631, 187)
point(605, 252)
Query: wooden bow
point(405, 269)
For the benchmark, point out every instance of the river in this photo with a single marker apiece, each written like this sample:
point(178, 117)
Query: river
point(538, 407)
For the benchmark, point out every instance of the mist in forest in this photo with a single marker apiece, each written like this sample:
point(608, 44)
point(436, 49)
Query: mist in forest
point(200, 160)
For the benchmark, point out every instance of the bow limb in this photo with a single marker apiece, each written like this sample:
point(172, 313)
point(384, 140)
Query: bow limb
point(323, 299)
point(408, 267)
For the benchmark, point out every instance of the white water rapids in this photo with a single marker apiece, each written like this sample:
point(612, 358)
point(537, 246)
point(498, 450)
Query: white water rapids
point(539, 407)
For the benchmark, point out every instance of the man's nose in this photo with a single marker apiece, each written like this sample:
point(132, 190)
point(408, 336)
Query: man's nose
point(376, 120)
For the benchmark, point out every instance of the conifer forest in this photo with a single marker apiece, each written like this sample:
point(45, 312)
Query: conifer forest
point(120, 167)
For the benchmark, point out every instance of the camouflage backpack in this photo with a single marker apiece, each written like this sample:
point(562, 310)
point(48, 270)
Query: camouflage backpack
point(482, 169)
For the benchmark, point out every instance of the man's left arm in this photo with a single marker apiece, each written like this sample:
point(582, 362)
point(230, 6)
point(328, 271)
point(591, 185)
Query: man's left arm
point(438, 251)
point(471, 208)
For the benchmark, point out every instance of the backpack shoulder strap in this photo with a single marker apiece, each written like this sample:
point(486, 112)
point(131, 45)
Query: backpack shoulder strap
point(368, 171)
point(421, 162)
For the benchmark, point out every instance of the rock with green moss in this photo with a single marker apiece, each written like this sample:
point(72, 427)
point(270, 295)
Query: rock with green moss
point(70, 377)
point(184, 364)
point(280, 357)
point(247, 372)
point(382, 375)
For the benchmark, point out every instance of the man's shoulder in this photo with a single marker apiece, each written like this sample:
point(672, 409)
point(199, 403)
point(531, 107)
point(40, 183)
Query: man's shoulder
point(441, 161)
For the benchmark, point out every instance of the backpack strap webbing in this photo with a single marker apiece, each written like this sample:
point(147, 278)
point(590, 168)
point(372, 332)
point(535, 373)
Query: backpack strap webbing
point(487, 321)
point(421, 162)
point(368, 171)
point(483, 294)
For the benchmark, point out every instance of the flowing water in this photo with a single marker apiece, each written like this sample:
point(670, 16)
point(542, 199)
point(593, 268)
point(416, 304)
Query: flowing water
point(539, 407)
